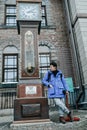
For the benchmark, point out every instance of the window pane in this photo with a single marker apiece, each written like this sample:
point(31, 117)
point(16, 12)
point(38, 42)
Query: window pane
point(44, 63)
point(11, 21)
point(10, 68)
point(43, 10)
point(43, 22)
point(10, 75)
point(10, 10)
point(43, 60)
point(10, 62)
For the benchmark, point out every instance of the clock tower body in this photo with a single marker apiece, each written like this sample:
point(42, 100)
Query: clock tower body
point(30, 103)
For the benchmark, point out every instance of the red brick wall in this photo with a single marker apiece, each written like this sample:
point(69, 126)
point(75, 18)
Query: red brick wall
point(55, 34)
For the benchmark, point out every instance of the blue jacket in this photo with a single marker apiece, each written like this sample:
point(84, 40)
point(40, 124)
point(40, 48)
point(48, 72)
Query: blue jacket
point(58, 83)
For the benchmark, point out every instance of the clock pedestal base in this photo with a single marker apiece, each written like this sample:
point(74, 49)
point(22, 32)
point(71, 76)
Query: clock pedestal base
point(30, 105)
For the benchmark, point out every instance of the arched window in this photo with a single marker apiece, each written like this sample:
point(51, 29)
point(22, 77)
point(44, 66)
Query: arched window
point(10, 64)
point(47, 52)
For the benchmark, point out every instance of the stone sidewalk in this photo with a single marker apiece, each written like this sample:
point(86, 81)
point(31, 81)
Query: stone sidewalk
point(6, 122)
point(6, 118)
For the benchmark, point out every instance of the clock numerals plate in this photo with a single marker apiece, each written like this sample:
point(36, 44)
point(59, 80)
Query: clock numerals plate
point(29, 11)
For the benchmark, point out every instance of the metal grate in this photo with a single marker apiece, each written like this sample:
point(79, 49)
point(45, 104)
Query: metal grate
point(7, 96)
point(72, 98)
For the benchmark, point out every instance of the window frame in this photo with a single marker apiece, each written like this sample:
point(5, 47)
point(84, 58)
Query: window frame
point(44, 16)
point(10, 15)
point(3, 67)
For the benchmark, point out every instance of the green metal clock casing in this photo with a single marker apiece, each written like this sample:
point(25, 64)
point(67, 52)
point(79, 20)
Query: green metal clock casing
point(29, 11)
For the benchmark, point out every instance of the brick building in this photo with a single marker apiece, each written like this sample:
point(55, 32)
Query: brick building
point(55, 41)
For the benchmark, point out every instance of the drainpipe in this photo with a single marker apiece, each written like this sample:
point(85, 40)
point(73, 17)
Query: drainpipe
point(75, 54)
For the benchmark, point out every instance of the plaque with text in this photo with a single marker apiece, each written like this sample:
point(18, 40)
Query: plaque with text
point(31, 90)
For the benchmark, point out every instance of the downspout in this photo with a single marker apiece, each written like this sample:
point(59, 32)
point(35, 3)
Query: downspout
point(75, 54)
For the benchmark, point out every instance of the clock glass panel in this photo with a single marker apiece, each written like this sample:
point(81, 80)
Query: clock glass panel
point(29, 11)
point(29, 52)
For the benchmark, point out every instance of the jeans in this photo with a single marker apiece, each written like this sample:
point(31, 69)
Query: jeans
point(60, 102)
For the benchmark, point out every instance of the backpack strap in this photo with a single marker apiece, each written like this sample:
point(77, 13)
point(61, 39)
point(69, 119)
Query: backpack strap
point(61, 76)
point(49, 76)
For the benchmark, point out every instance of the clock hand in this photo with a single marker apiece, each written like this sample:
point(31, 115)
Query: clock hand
point(28, 11)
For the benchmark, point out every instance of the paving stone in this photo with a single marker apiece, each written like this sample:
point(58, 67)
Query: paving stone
point(6, 122)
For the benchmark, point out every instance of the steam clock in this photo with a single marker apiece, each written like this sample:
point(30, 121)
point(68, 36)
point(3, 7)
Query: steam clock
point(30, 103)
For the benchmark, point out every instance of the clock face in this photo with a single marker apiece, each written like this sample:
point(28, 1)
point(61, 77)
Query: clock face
point(29, 11)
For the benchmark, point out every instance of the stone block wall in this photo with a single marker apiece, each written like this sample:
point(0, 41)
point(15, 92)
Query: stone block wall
point(79, 20)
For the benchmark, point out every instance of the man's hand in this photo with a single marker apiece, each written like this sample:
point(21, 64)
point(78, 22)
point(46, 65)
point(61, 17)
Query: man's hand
point(51, 86)
point(67, 92)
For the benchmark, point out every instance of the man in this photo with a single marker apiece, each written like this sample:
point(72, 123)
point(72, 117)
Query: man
point(54, 80)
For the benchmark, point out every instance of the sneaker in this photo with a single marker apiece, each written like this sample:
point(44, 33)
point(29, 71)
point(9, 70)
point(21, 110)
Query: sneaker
point(70, 117)
point(61, 119)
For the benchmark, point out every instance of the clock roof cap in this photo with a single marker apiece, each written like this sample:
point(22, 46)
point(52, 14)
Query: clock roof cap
point(33, 1)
